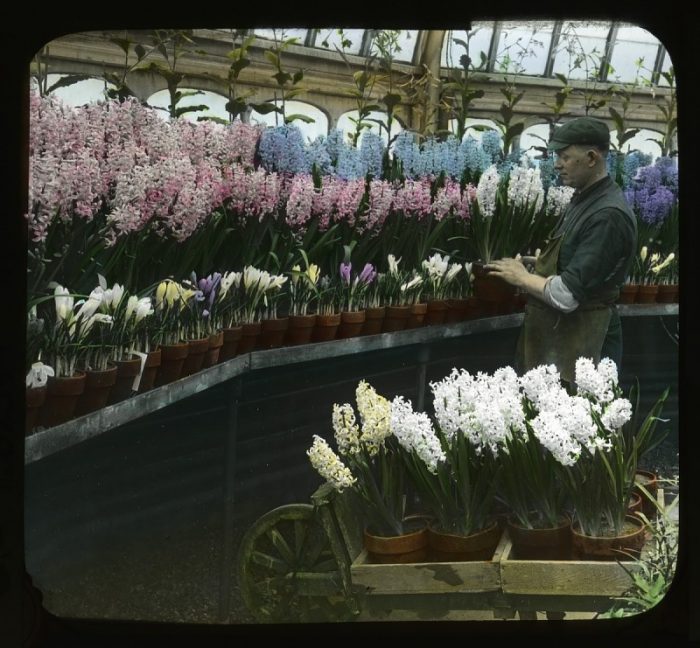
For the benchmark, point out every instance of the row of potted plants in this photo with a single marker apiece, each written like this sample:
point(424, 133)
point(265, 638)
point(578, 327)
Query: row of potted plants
point(102, 347)
point(653, 279)
point(561, 464)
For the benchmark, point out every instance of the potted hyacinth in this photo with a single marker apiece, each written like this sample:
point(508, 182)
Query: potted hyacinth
point(601, 482)
point(531, 485)
point(371, 467)
point(475, 417)
point(507, 218)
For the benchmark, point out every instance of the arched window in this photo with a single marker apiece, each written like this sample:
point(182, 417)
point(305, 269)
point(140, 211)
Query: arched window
point(470, 123)
point(641, 142)
point(534, 136)
point(80, 93)
point(310, 131)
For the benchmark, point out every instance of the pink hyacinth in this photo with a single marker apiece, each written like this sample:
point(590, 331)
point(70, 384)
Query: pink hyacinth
point(300, 201)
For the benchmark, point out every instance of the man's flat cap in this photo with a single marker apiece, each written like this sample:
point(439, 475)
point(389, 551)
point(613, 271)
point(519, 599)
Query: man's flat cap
point(582, 130)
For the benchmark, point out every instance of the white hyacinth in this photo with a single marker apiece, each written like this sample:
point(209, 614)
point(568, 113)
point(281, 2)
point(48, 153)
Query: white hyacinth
point(347, 433)
point(486, 191)
point(550, 432)
point(598, 383)
point(328, 465)
point(537, 382)
point(414, 431)
point(525, 187)
point(558, 198)
point(617, 414)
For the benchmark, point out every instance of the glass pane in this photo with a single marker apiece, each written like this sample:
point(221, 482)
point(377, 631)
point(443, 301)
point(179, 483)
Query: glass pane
point(523, 50)
point(300, 34)
point(634, 55)
point(80, 93)
point(665, 67)
point(310, 131)
point(580, 50)
point(407, 42)
point(331, 36)
point(479, 41)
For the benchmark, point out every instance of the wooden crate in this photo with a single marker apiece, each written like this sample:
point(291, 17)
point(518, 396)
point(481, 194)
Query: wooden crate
point(429, 577)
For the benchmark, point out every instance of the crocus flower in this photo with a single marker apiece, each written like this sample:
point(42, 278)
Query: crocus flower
point(38, 375)
point(368, 274)
point(64, 302)
point(345, 272)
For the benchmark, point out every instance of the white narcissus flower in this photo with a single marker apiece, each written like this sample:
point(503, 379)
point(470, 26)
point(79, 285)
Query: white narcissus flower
point(38, 375)
point(328, 465)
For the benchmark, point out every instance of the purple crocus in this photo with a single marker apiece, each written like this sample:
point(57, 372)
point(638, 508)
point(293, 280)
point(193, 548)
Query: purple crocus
point(368, 274)
point(345, 269)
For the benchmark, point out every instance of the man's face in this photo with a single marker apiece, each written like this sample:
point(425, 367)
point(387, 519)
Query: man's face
point(575, 165)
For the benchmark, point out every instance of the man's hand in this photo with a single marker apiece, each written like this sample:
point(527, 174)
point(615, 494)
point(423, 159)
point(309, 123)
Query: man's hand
point(512, 271)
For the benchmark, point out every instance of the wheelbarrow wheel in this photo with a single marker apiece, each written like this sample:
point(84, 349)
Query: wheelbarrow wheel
point(287, 570)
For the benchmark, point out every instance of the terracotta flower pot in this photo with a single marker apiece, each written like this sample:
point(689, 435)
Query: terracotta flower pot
point(374, 320)
point(98, 387)
point(196, 350)
point(457, 311)
point(300, 329)
point(416, 315)
point(127, 370)
point(541, 544)
point(498, 297)
point(610, 547)
point(232, 338)
point(635, 505)
point(249, 337)
point(396, 318)
point(351, 323)
point(61, 399)
point(35, 398)
point(172, 359)
point(437, 312)
point(150, 369)
point(647, 294)
point(211, 357)
point(628, 294)
point(408, 548)
point(668, 294)
point(452, 547)
point(473, 309)
point(326, 327)
point(272, 333)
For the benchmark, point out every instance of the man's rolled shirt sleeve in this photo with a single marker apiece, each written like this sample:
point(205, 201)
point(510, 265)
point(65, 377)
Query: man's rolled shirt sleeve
point(599, 256)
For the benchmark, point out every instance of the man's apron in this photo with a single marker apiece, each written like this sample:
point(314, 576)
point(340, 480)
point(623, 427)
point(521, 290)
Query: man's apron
point(549, 336)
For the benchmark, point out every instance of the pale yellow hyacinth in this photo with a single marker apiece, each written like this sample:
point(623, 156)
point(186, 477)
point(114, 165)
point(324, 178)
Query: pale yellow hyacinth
point(328, 465)
point(375, 415)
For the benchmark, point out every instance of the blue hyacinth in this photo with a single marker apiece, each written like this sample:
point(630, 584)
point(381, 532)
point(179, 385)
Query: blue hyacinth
point(334, 143)
point(317, 153)
point(406, 151)
point(282, 149)
point(492, 144)
point(547, 173)
point(476, 160)
point(350, 165)
point(371, 153)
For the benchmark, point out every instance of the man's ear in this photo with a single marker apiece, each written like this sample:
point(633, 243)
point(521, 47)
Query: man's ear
point(592, 156)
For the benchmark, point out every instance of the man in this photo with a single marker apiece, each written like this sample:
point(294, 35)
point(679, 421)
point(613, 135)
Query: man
point(585, 261)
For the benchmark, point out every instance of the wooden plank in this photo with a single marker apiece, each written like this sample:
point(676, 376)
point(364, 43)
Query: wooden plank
point(426, 578)
point(563, 577)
